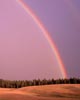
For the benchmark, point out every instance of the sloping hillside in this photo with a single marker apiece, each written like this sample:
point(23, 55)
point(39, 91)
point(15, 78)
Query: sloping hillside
point(48, 92)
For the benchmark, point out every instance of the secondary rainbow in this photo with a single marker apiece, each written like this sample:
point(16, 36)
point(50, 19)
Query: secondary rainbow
point(73, 9)
point(46, 35)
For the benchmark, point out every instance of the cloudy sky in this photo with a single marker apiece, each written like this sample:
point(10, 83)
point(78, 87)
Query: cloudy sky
point(24, 51)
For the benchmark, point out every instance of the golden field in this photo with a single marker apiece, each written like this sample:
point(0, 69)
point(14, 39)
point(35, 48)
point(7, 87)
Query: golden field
point(47, 92)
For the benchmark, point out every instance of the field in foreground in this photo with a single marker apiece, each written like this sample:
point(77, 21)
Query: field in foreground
point(48, 92)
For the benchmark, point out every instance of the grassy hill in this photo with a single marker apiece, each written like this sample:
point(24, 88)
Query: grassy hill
point(47, 92)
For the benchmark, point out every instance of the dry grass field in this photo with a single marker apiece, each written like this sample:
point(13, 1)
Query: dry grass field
point(47, 92)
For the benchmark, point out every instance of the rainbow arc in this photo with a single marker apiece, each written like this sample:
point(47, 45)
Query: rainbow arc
point(46, 35)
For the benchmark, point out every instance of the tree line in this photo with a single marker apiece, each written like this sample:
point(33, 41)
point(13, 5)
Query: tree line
point(24, 83)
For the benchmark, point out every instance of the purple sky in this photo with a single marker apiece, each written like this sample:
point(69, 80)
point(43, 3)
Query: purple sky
point(25, 53)
point(62, 20)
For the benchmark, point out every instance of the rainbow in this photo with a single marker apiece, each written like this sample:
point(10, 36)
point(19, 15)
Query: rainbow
point(46, 35)
point(73, 9)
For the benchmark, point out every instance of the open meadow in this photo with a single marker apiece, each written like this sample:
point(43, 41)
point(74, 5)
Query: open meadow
point(47, 92)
